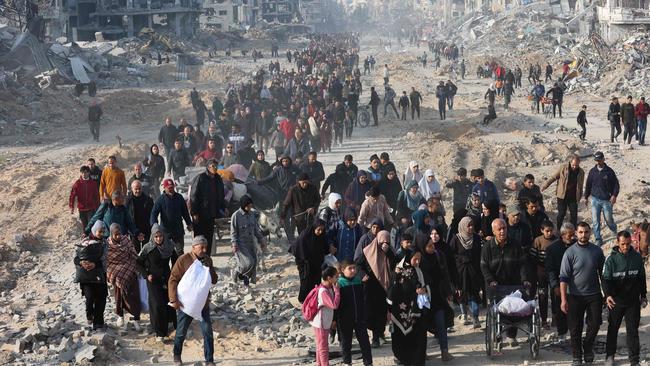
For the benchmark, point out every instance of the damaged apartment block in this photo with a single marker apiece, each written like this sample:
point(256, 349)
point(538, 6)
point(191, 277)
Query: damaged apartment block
point(86, 20)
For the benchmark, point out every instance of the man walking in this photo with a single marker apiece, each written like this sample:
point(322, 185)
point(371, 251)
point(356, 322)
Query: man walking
point(172, 209)
point(139, 206)
point(403, 105)
point(556, 98)
point(167, 135)
point(112, 180)
point(614, 118)
point(374, 105)
point(389, 100)
point(582, 122)
point(570, 178)
point(207, 202)
point(183, 263)
point(451, 90)
point(642, 110)
point(624, 286)
point(580, 274)
point(552, 267)
point(441, 94)
point(629, 120)
point(416, 99)
point(86, 192)
point(94, 115)
point(603, 188)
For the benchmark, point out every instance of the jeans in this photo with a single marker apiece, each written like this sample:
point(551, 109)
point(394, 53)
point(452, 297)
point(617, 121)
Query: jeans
point(562, 205)
point(450, 102)
point(404, 109)
point(559, 318)
point(604, 206)
point(392, 105)
point(184, 322)
point(578, 305)
point(415, 108)
point(557, 105)
point(473, 308)
point(441, 329)
point(441, 108)
point(642, 126)
point(615, 130)
point(629, 131)
point(632, 314)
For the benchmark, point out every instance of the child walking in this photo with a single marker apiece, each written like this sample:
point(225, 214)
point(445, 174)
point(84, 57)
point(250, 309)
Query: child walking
point(328, 301)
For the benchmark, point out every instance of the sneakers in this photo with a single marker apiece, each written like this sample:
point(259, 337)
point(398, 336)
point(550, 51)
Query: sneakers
point(445, 356)
point(466, 320)
point(120, 322)
point(609, 361)
point(375, 343)
point(477, 324)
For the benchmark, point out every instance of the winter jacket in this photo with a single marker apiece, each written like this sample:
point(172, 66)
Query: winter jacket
point(294, 146)
point(562, 178)
point(207, 196)
point(155, 165)
point(172, 210)
point(315, 171)
point(95, 251)
point(112, 180)
point(403, 102)
point(140, 214)
point(462, 190)
point(602, 184)
point(86, 192)
point(487, 192)
point(373, 210)
point(350, 173)
point(520, 234)
point(641, 111)
point(627, 113)
point(285, 177)
point(534, 222)
point(300, 200)
point(94, 113)
point(526, 194)
point(624, 276)
point(553, 261)
point(352, 306)
point(614, 113)
point(168, 135)
point(145, 182)
point(346, 240)
point(557, 94)
point(336, 182)
point(110, 214)
point(506, 266)
point(178, 161)
point(260, 169)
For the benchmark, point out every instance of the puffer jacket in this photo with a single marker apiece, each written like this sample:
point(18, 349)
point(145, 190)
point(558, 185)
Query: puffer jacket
point(624, 276)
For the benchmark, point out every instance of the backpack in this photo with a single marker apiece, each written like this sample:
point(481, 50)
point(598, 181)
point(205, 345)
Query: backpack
point(310, 305)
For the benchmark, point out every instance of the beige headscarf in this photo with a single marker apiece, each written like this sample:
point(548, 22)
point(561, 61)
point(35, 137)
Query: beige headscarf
point(464, 235)
point(378, 260)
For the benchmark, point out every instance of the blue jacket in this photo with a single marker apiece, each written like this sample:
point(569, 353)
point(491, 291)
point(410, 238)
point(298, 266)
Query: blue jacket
point(347, 240)
point(487, 191)
point(110, 214)
point(539, 91)
point(602, 184)
point(172, 210)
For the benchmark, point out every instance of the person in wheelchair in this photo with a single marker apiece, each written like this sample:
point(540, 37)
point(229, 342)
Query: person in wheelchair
point(504, 263)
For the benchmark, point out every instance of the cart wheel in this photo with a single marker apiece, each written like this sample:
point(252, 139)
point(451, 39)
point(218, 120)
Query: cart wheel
point(363, 117)
point(534, 347)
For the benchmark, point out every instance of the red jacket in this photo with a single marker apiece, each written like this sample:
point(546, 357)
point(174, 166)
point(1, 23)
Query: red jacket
point(87, 194)
point(642, 110)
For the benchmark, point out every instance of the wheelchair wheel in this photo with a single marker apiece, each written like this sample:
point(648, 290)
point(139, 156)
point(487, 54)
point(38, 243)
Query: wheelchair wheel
point(492, 346)
point(535, 334)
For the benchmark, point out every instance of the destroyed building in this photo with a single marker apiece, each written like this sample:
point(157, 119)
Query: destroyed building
point(229, 14)
point(83, 20)
point(617, 17)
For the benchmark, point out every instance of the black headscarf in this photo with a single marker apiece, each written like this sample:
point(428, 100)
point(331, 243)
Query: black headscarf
point(311, 248)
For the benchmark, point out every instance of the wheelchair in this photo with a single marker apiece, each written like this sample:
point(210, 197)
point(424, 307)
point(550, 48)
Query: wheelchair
point(496, 323)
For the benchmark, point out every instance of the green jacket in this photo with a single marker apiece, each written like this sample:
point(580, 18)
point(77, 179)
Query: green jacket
point(624, 276)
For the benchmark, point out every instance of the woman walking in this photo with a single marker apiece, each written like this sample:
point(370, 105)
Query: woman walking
point(122, 274)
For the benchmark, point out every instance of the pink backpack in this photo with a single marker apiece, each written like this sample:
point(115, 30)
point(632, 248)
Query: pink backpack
point(310, 305)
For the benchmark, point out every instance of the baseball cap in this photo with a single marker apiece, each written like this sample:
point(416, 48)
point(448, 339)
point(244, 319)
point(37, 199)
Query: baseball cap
point(513, 210)
point(168, 183)
point(599, 156)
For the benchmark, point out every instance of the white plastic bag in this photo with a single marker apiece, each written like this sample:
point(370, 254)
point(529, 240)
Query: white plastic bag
point(193, 289)
point(513, 304)
point(144, 294)
point(423, 302)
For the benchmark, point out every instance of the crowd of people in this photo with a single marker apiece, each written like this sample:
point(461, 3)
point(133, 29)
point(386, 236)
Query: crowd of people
point(381, 253)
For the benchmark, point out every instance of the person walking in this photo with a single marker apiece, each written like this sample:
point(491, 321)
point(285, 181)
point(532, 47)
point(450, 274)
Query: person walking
point(153, 263)
point(580, 275)
point(441, 94)
point(570, 178)
point(603, 188)
point(113, 179)
point(328, 299)
point(629, 120)
point(389, 100)
point(85, 192)
point(642, 110)
point(451, 90)
point(207, 202)
point(614, 118)
point(386, 74)
point(624, 286)
point(167, 135)
point(403, 105)
point(557, 98)
point(552, 267)
point(122, 275)
point(374, 105)
point(462, 188)
point(245, 233)
point(172, 209)
point(199, 252)
point(90, 264)
point(582, 122)
point(415, 98)
point(94, 115)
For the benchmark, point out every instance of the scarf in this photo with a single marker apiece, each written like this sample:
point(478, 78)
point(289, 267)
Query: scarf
point(413, 201)
point(429, 189)
point(409, 175)
point(402, 297)
point(167, 247)
point(464, 235)
point(378, 260)
point(121, 263)
point(332, 199)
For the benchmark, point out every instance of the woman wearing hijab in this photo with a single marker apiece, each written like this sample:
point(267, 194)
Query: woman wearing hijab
point(245, 233)
point(466, 248)
point(390, 187)
point(409, 334)
point(154, 264)
point(375, 266)
point(429, 186)
point(90, 263)
point(490, 212)
point(122, 274)
point(420, 230)
point(412, 173)
point(409, 200)
point(355, 194)
point(331, 213)
point(434, 266)
point(310, 250)
point(155, 165)
point(373, 208)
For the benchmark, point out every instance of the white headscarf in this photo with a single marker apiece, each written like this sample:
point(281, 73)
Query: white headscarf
point(332, 199)
point(427, 189)
point(409, 175)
